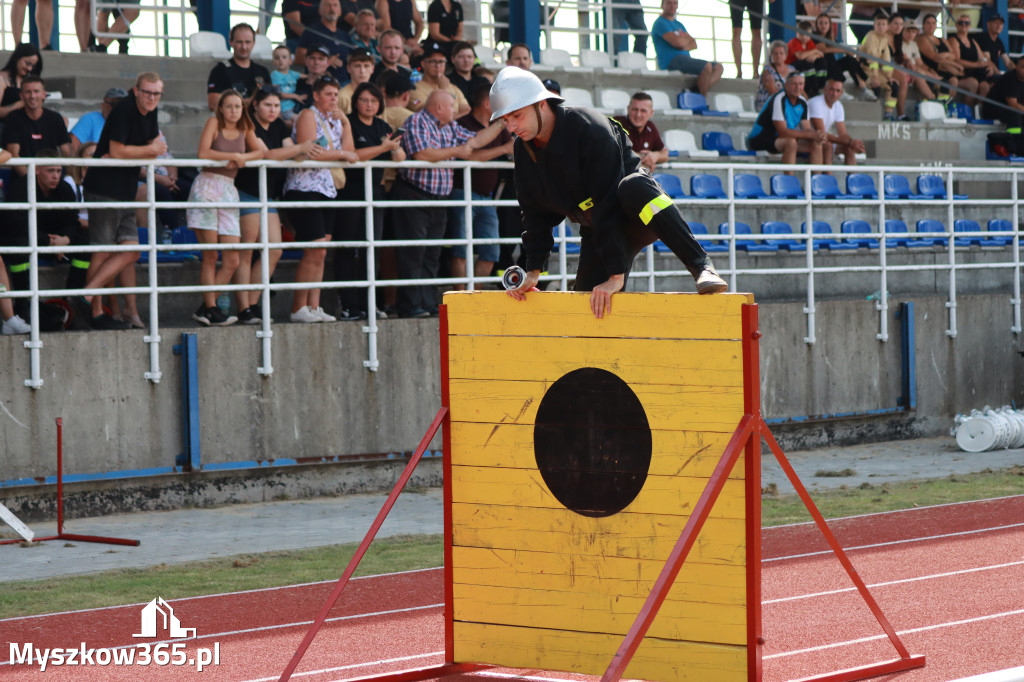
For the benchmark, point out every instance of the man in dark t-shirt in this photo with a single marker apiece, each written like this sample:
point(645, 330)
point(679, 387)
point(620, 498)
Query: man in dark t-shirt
point(130, 132)
point(990, 41)
point(330, 33)
point(238, 73)
point(33, 128)
point(1008, 94)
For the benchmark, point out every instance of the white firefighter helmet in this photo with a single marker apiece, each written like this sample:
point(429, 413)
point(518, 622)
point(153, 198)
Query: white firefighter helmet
point(515, 88)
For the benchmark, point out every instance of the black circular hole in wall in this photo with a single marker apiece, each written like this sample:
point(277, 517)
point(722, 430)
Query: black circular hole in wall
point(592, 442)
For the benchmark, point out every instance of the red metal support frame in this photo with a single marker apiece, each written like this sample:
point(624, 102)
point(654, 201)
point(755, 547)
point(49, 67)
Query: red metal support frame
point(449, 587)
point(748, 434)
point(365, 544)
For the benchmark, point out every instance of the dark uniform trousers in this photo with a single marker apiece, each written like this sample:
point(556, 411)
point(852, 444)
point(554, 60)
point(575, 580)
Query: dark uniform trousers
point(417, 262)
point(639, 193)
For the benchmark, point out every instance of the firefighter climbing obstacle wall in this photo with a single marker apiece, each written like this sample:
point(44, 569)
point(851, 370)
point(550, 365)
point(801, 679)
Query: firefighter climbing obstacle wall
point(577, 449)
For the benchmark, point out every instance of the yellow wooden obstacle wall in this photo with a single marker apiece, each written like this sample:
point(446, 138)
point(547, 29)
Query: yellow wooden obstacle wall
point(537, 585)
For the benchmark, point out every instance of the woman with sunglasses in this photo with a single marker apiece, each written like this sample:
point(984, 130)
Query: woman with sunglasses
point(374, 141)
point(274, 137)
point(332, 138)
point(969, 55)
point(228, 136)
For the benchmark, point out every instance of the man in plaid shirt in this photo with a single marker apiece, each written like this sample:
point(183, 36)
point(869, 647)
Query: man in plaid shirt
point(431, 134)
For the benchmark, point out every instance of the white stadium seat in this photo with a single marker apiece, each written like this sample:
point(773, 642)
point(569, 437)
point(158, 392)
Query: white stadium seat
point(632, 61)
point(208, 44)
point(263, 49)
point(614, 100)
point(727, 101)
point(578, 97)
point(663, 105)
point(682, 141)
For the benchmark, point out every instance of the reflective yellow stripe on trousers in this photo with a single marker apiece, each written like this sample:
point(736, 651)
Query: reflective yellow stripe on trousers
point(653, 207)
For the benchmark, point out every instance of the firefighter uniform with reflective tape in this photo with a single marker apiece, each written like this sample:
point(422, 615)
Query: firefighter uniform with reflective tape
point(589, 173)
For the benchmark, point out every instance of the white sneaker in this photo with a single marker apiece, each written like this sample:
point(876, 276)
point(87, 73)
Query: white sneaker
point(869, 95)
point(16, 325)
point(324, 317)
point(305, 314)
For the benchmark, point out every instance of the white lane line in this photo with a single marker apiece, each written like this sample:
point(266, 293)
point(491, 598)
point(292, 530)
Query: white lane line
point(281, 626)
point(220, 594)
point(901, 633)
point(896, 511)
point(350, 667)
point(1008, 675)
point(513, 676)
point(894, 582)
point(898, 542)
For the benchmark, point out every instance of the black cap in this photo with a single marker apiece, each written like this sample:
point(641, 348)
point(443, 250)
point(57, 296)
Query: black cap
point(431, 47)
point(995, 17)
point(360, 54)
point(322, 49)
point(553, 86)
point(395, 84)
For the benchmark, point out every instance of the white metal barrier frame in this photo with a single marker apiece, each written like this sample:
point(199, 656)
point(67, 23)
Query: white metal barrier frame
point(561, 276)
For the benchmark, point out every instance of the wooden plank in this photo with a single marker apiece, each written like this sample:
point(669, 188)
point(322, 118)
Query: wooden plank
point(674, 453)
point(682, 362)
point(525, 488)
point(683, 316)
point(645, 536)
point(8, 517)
point(590, 654)
point(716, 409)
point(561, 571)
point(598, 612)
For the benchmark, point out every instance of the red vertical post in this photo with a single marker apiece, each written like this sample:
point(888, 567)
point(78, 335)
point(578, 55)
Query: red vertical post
point(752, 476)
point(60, 476)
point(449, 596)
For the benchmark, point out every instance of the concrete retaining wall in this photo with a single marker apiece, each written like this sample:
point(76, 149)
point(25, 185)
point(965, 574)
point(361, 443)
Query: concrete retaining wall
point(321, 405)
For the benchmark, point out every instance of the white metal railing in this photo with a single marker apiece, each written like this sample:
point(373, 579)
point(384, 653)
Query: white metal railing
point(646, 270)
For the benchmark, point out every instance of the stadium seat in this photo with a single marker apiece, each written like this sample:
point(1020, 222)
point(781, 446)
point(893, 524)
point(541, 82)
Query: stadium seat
point(555, 57)
point(751, 245)
point(614, 100)
point(732, 104)
point(184, 236)
point(898, 227)
point(672, 185)
point(485, 55)
point(208, 44)
point(934, 187)
point(695, 102)
point(960, 226)
point(570, 247)
point(966, 112)
point(826, 187)
point(935, 112)
point(748, 186)
point(1001, 225)
point(898, 187)
point(578, 97)
point(928, 225)
point(599, 61)
point(632, 61)
point(786, 187)
point(779, 227)
point(681, 142)
point(705, 186)
point(858, 227)
point(861, 186)
point(978, 120)
point(820, 227)
point(262, 48)
point(663, 105)
point(721, 142)
point(162, 256)
point(699, 229)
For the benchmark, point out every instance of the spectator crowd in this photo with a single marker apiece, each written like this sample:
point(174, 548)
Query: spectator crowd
point(360, 80)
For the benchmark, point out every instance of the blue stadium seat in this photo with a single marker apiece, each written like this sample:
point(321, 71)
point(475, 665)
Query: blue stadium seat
point(898, 227)
point(699, 229)
point(934, 187)
point(706, 186)
point(861, 185)
point(826, 187)
point(570, 247)
point(672, 185)
point(929, 225)
point(820, 227)
point(962, 225)
point(1001, 225)
point(779, 227)
point(697, 103)
point(750, 245)
point(858, 227)
point(748, 186)
point(721, 142)
point(966, 112)
point(161, 257)
point(898, 187)
point(786, 187)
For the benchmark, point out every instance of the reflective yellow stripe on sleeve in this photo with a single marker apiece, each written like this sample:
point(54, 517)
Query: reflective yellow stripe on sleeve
point(20, 267)
point(587, 204)
point(653, 207)
point(80, 264)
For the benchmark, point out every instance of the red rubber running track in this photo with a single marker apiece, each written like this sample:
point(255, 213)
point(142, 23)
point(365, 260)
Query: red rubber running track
point(950, 579)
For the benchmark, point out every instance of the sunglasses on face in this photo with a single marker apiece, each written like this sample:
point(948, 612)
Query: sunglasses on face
point(270, 89)
point(963, 23)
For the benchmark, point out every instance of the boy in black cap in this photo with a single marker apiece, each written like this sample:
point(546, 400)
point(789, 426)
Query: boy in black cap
point(397, 89)
point(433, 66)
